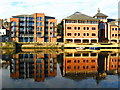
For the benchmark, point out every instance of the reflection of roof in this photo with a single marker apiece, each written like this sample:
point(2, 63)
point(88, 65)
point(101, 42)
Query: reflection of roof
point(80, 76)
point(80, 16)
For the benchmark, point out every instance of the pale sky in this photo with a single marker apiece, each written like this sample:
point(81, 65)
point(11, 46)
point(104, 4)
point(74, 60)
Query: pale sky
point(58, 8)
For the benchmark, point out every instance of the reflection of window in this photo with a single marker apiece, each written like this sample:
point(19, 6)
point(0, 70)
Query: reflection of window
point(93, 67)
point(68, 67)
point(68, 61)
point(74, 61)
point(85, 67)
point(93, 60)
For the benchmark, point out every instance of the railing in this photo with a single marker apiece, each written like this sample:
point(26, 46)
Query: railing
point(26, 35)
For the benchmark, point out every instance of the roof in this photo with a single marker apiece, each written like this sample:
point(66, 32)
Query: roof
point(113, 23)
point(101, 14)
point(23, 15)
point(80, 16)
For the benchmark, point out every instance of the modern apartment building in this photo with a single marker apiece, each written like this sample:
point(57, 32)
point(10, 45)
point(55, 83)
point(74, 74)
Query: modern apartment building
point(33, 28)
point(80, 28)
point(114, 31)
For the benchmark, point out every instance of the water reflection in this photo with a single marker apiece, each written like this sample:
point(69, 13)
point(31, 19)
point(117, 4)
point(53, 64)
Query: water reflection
point(73, 65)
point(82, 65)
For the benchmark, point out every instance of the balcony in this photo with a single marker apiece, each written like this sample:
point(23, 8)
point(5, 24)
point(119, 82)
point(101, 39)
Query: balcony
point(13, 35)
point(13, 30)
point(39, 35)
point(26, 35)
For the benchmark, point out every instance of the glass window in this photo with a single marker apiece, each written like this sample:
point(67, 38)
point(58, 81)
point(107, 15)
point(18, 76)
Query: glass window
point(68, 34)
point(78, 34)
point(84, 34)
point(68, 27)
point(75, 34)
point(87, 34)
point(93, 34)
point(40, 23)
point(84, 28)
point(87, 28)
point(93, 28)
point(78, 28)
point(75, 28)
point(112, 28)
point(115, 28)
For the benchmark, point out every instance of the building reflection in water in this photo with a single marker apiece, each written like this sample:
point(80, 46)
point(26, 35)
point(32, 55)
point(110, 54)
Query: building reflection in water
point(37, 66)
point(82, 65)
point(74, 65)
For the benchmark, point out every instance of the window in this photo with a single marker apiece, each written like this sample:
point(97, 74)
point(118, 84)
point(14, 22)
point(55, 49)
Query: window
point(115, 28)
point(75, 34)
point(84, 34)
point(75, 28)
point(113, 35)
point(93, 28)
point(37, 28)
point(87, 34)
point(93, 34)
point(40, 23)
point(119, 29)
point(78, 28)
point(78, 61)
point(87, 28)
point(78, 34)
point(68, 27)
point(84, 28)
point(112, 28)
point(68, 34)
point(40, 28)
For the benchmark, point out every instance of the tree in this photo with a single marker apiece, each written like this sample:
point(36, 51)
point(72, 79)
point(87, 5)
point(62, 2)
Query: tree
point(59, 29)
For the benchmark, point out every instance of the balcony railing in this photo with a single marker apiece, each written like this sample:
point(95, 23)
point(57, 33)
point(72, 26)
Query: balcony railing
point(26, 35)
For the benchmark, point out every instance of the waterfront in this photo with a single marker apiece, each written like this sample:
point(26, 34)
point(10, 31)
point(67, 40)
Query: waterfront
point(52, 68)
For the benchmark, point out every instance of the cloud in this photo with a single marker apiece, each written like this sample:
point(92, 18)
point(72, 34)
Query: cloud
point(57, 8)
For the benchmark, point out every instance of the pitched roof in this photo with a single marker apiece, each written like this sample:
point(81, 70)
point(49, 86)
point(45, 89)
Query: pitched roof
point(80, 16)
point(23, 15)
point(101, 14)
point(113, 23)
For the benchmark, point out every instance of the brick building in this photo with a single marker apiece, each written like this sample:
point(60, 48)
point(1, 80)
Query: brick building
point(33, 28)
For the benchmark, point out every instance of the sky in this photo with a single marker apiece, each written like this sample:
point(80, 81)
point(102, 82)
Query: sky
point(58, 8)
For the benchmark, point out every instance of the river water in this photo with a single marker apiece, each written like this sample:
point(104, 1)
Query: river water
point(60, 69)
